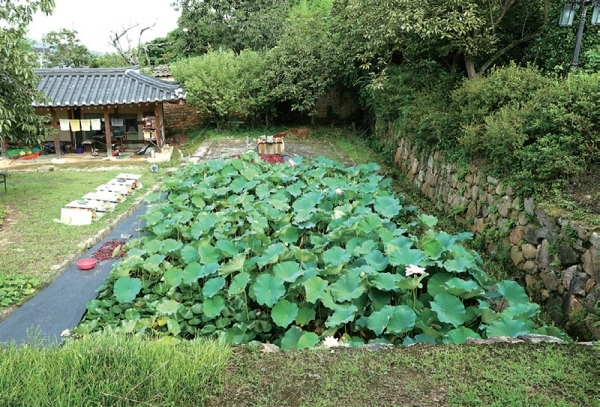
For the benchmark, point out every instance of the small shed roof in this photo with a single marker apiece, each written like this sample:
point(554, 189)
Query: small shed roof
point(75, 87)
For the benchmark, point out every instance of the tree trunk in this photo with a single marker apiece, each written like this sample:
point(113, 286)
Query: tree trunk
point(470, 65)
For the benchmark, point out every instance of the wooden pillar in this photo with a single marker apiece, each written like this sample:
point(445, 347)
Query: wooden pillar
point(56, 137)
point(107, 132)
point(70, 116)
point(157, 122)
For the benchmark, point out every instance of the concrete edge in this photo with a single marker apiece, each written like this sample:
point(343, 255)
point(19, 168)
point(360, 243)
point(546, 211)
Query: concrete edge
point(89, 243)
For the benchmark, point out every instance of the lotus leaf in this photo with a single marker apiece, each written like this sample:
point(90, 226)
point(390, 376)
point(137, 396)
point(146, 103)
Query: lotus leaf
point(284, 313)
point(268, 289)
point(127, 288)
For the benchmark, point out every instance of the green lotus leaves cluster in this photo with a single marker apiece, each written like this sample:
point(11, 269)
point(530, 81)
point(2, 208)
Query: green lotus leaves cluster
point(244, 251)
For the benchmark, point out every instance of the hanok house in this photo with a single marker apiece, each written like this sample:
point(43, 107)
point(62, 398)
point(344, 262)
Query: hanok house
point(95, 108)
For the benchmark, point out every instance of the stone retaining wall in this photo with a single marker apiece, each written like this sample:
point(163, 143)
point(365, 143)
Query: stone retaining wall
point(559, 257)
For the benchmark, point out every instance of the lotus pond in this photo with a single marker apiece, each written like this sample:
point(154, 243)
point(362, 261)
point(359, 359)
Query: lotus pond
point(293, 253)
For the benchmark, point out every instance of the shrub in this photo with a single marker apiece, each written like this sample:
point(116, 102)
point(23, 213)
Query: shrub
point(224, 85)
point(416, 98)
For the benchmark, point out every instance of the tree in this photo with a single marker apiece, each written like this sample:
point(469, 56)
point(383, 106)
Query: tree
point(132, 54)
point(230, 24)
point(476, 32)
point(303, 64)
point(110, 60)
point(18, 120)
point(65, 50)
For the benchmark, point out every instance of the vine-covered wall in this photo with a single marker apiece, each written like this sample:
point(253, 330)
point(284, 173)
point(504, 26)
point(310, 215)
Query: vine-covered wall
point(559, 257)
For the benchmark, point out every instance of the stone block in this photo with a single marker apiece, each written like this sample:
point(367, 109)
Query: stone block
point(545, 220)
point(509, 191)
point(550, 279)
point(594, 330)
point(595, 240)
point(532, 284)
point(471, 210)
point(522, 219)
point(591, 263)
point(516, 234)
point(529, 251)
point(578, 284)
point(530, 234)
point(575, 305)
point(504, 205)
point(566, 255)
point(492, 180)
point(475, 193)
point(590, 285)
point(479, 225)
point(592, 298)
point(529, 267)
point(543, 256)
point(398, 156)
point(516, 256)
point(499, 189)
point(568, 274)
point(529, 205)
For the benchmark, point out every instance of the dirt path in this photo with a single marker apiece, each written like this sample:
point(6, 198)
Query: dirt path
point(310, 148)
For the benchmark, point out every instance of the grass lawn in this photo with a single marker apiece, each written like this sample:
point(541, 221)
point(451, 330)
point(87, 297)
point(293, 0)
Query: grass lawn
point(423, 375)
point(129, 371)
point(31, 241)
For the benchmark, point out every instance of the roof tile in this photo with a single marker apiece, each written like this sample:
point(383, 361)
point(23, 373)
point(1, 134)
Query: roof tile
point(70, 87)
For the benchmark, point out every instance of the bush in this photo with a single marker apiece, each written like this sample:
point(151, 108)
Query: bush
point(416, 98)
point(225, 85)
point(530, 127)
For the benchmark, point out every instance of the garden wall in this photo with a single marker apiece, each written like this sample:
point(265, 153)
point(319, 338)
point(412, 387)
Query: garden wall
point(559, 257)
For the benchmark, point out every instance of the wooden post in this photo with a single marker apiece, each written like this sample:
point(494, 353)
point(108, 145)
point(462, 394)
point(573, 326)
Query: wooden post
point(71, 116)
point(157, 122)
point(56, 136)
point(107, 132)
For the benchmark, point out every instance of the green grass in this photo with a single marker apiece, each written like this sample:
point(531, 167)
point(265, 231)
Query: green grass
point(32, 242)
point(108, 370)
point(443, 375)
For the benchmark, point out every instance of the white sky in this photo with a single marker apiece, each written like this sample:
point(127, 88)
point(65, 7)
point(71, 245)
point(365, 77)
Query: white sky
point(94, 20)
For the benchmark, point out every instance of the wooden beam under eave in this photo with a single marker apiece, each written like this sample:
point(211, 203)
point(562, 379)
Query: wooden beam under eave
point(107, 132)
point(56, 137)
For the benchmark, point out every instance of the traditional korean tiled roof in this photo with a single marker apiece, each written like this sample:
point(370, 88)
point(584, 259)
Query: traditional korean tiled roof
point(74, 87)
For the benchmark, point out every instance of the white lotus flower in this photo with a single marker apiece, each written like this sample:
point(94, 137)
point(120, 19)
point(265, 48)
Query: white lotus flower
point(339, 191)
point(66, 333)
point(412, 269)
point(330, 342)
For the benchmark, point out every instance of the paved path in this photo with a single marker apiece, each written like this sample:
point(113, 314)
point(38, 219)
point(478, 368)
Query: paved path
point(62, 304)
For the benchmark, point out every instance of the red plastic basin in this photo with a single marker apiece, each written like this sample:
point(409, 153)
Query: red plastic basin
point(86, 264)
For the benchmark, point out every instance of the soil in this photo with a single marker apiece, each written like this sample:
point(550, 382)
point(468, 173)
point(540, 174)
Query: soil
point(216, 149)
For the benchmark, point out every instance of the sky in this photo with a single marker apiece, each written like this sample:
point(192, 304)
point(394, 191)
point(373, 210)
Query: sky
point(94, 20)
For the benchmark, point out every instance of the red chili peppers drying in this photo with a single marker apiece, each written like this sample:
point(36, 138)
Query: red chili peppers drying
point(272, 158)
point(268, 158)
point(105, 252)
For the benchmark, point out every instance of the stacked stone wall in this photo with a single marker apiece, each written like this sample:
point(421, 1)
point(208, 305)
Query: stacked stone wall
point(559, 257)
point(180, 118)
